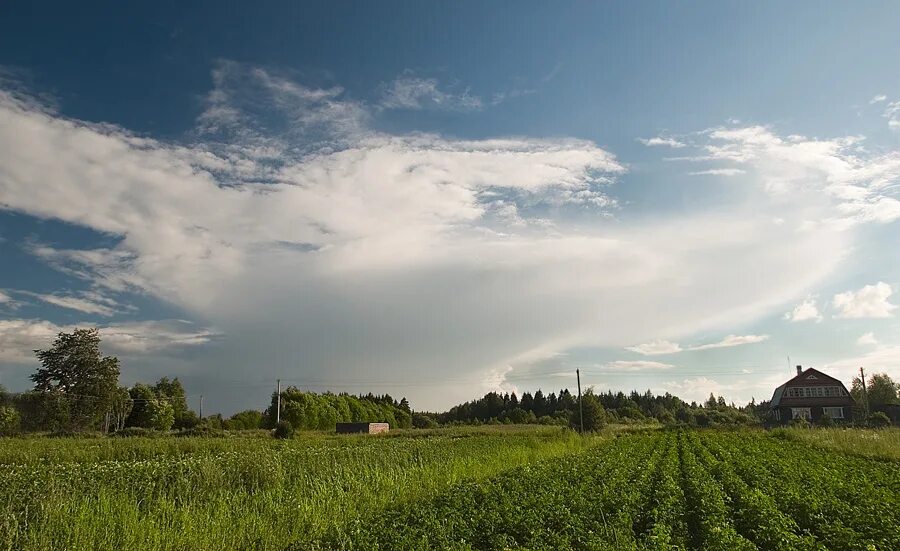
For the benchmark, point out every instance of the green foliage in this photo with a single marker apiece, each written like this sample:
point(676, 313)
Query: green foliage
point(9, 420)
point(592, 413)
point(283, 430)
point(245, 420)
point(73, 369)
point(236, 493)
point(149, 411)
point(311, 411)
point(423, 421)
point(710, 490)
point(879, 419)
point(172, 392)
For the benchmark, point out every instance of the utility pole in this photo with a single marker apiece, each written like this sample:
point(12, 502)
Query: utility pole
point(580, 410)
point(201, 407)
point(278, 404)
point(862, 377)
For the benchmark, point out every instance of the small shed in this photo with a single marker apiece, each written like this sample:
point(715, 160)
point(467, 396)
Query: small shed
point(362, 428)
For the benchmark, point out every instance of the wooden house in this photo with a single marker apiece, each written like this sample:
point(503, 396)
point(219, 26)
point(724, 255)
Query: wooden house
point(811, 395)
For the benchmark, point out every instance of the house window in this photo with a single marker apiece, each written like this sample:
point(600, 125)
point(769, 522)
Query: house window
point(801, 413)
point(778, 415)
point(834, 412)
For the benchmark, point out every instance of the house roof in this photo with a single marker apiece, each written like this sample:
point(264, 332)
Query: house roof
point(804, 378)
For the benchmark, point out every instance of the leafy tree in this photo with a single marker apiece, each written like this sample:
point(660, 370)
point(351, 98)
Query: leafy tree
point(423, 421)
point(245, 420)
point(120, 408)
point(173, 392)
point(593, 413)
point(149, 411)
point(881, 390)
point(73, 368)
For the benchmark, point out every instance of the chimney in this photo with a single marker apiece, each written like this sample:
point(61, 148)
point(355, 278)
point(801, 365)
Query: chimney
point(799, 369)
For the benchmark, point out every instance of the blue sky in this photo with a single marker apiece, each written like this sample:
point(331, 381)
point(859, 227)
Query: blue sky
point(436, 200)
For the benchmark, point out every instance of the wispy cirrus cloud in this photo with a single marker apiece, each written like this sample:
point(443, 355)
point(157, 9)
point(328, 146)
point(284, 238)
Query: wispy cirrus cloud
point(20, 337)
point(409, 91)
point(86, 302)
point(718, 172)
point(633, 365)
point(665, 347)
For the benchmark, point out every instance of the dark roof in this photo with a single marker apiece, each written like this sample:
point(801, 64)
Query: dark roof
point(803, 377)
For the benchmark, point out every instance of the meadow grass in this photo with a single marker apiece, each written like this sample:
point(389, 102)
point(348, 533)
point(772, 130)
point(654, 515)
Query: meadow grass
point(238, 493)
point(872, 443)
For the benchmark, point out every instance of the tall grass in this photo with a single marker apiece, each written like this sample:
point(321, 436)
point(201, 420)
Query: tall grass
point(872, 443)
point(234, 493)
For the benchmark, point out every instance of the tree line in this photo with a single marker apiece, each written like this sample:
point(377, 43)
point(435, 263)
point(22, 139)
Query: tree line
point(76, 388)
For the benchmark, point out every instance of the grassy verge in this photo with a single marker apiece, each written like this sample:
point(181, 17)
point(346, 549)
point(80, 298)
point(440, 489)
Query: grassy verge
point(237, 493)
point(872, 443)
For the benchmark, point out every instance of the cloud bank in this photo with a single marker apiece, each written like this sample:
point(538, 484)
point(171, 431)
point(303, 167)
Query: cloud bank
point(328, 252)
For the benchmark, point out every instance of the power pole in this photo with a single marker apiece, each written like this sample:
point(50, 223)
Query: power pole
point(862, 377)
point(201, 407)
point(278, 404)
point(580, 410)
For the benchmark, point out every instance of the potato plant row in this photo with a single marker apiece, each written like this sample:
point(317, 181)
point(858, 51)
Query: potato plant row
point(657, 490)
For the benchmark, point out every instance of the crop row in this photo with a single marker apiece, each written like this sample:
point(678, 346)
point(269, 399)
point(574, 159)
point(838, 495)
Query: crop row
point(255, 495)
point(663, 490)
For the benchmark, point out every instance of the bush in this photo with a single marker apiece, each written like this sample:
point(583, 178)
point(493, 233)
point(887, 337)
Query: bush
point(137, 432)
point(284, 430)
point(9, 420)
point(825, 421)
point(423, 421)
point(799, 423)
point(202, 431)
point(879, 419)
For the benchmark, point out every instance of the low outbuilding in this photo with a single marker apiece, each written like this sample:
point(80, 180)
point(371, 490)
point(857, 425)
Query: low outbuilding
point(362, 428)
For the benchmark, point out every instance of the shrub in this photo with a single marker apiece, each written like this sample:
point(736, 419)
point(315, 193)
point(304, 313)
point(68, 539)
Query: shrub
point(879, 419)
point(825, 421)
point(9, 420)
point(284, 430)
point(423, 421)
point(137, 432)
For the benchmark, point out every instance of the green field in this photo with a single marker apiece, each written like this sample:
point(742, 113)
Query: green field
point(456, 489)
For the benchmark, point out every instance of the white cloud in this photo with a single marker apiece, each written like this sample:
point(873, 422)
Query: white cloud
point(867, 339)
point(322, 248)
point(660, 140)
point(20, 337)
point(85, 302)
point(869, 302)
point(842, 184)
point(892, 114)
point(665, 347)
point(883, 359)
point(634, 365)
point(806, 310)
point(698, 389)
point(718, 172)
point(877, 99)
point(731, 340)
point(412, 92)
point(654, 348)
